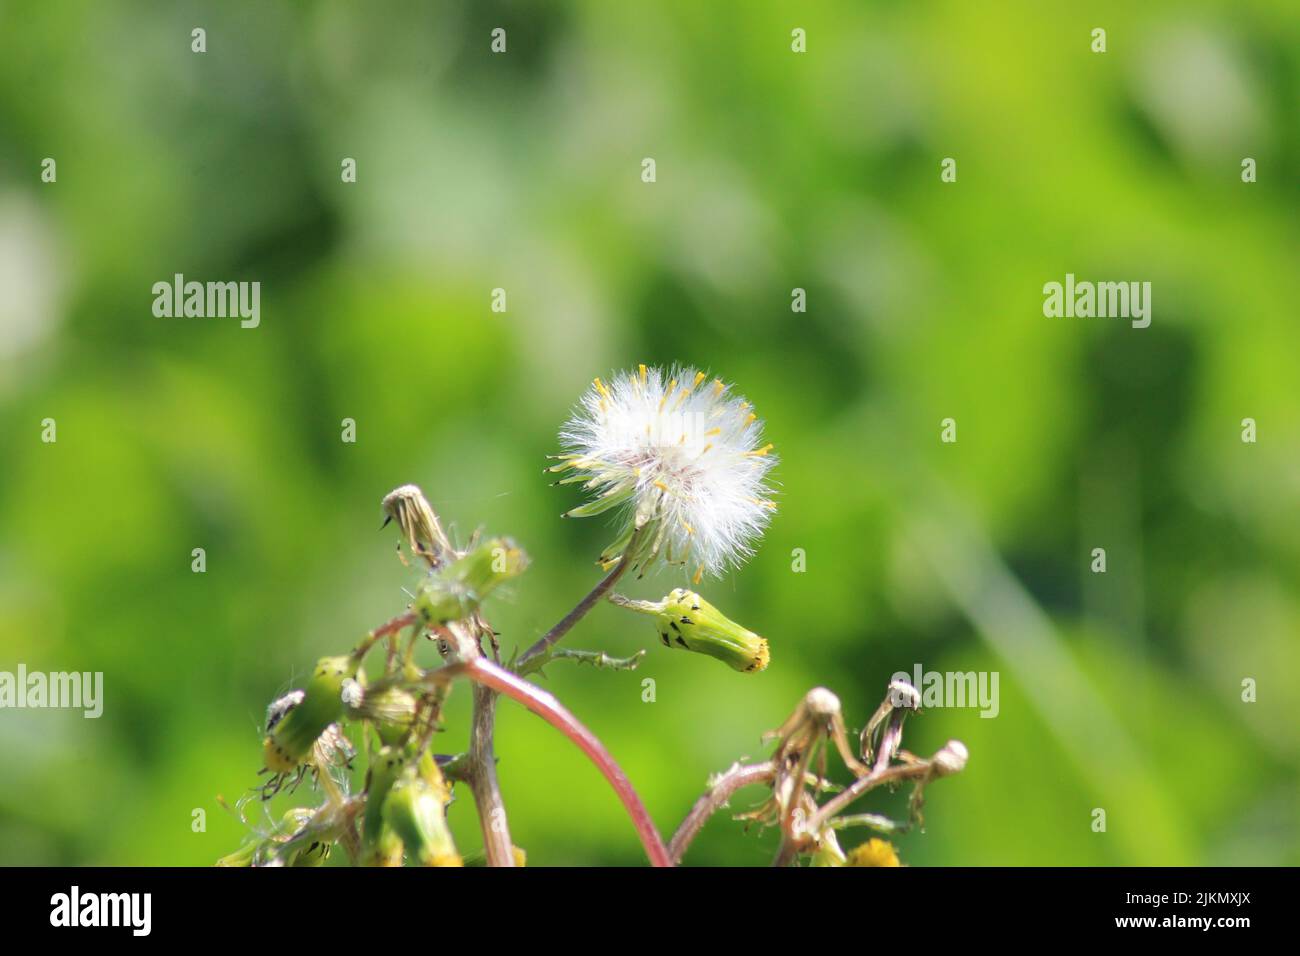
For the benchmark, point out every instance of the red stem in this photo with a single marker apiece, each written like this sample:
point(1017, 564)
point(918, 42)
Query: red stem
point(544, 705)
point(383, 630)
point(714, 800)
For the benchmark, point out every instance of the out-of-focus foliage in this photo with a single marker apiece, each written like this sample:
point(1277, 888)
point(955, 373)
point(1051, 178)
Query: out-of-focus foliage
point(775, 170)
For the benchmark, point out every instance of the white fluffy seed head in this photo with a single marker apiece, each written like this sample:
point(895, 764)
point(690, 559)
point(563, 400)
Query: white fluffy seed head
point(681, 456)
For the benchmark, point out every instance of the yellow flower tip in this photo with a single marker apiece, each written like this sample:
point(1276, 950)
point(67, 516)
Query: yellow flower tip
point(641, 369)
point(761, 452)
point(875, 852)
point(444, 859)
point(521, 857)
point(699, 377)
point(688, 622)
point(718, 387)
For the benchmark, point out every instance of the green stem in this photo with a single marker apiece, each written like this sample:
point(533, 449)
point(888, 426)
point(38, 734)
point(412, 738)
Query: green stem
point(552, 636)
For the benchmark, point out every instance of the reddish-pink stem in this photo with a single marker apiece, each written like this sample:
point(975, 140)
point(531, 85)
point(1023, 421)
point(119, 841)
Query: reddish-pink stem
point(714, 800)
point(544, 705)
point(391, 626)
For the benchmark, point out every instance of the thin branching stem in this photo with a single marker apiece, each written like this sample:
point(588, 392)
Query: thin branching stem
point(888, 774)
point(551, 637)
point(384, 630)
point(714, 799)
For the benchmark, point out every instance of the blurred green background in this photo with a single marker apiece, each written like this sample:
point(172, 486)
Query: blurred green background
point(774, 170)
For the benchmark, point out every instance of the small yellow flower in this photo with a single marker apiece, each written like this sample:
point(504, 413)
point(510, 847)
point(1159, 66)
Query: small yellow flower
point(875, 852)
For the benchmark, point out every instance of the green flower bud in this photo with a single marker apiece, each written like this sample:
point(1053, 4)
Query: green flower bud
point(427, 767)
point(455, 591)
point(380, 845)
point(391, 709)
point(279, 846)
point(246, 855)
point(307, 836)
point(289, 739)
point(416, 811)
point(686, 620)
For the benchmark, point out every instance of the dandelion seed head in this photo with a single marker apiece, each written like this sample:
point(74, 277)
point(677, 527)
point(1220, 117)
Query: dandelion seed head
point(681, 456)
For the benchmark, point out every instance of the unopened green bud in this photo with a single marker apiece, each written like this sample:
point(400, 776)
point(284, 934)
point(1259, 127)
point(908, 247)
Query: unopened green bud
point(246, 855)
point(455, 591)
point(292, 843)
point(685, 620)
point(427, 767)
point(391, 709)
point(306, 849)
point(381, 846)
point(289, 739)
point(416, 811)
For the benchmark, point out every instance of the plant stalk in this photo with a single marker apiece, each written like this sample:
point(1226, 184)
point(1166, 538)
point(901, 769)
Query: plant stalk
point(551, 637)
point(481, 772)
point(715, 799)
point(888, 774)
point(543, 704)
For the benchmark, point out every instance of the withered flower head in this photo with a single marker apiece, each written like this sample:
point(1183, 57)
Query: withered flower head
point(419, 523)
